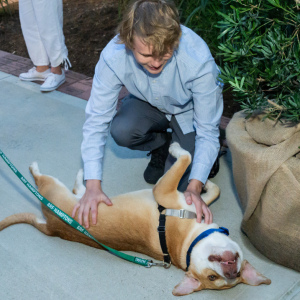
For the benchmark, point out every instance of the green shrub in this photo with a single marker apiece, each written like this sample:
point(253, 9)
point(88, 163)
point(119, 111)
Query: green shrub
point(261, 55)
point(201, 17)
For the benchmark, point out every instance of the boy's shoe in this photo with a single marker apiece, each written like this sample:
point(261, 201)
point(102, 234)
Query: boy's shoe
point(216, 166)
point(34, 75)
point(156, 166)
point(53, 81)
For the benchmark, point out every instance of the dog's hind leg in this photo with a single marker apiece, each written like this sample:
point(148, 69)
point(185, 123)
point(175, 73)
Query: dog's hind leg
point(27, 218)
point(165, 191)
point(79, 188)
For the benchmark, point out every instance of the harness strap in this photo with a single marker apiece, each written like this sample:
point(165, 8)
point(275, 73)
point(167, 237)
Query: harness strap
point(180, 213)
point(201, 236)
point(162, 236)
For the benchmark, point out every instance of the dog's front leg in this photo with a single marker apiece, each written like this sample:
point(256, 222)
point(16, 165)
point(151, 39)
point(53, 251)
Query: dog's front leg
point(165, 191)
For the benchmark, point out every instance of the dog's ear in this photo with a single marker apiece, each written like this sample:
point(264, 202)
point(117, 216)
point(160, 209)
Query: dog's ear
point(250, 276)
point(187, 286)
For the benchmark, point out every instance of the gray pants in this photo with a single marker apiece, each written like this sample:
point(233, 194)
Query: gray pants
point(140, 126)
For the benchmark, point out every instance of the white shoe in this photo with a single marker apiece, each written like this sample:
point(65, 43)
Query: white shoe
point(34, 75)
point(53, 81)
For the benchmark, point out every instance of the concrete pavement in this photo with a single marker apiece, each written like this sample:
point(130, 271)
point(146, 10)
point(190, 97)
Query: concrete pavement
point(47, 128)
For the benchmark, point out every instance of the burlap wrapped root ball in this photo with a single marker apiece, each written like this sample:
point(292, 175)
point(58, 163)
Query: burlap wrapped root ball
point(266, 171)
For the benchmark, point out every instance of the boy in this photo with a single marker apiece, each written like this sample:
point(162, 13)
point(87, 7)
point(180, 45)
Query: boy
point(173, 83)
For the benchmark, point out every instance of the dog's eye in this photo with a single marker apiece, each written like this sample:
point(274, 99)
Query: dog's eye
point(238, 274)
point(212, 277)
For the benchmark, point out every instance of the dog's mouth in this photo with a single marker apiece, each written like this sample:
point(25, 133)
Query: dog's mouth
point(230, 262)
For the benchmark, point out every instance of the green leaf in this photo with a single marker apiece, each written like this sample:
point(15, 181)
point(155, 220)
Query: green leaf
point(242, 82)
point(223, 33)
point(226, 17)
point(274, 2)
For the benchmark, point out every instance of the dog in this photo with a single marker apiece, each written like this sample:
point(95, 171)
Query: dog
point(215, 262)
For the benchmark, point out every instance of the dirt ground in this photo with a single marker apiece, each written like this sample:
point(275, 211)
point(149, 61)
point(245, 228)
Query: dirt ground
point(88, 26)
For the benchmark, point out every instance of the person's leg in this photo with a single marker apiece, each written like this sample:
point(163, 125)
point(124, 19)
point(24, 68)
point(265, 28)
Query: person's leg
point(34, 44)
point(49, 16)
point(187, 142)
point(140, 126)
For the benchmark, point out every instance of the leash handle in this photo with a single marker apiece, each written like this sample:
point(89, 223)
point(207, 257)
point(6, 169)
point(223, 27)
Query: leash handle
point(70, 221)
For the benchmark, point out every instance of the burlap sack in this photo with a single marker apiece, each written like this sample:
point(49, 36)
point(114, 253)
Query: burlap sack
point(266, 171)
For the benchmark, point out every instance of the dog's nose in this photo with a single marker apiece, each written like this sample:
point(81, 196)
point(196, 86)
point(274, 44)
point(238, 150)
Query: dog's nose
point(231, 274)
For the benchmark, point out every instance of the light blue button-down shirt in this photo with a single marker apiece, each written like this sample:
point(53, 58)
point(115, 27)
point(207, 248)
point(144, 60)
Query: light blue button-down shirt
point(188, 88)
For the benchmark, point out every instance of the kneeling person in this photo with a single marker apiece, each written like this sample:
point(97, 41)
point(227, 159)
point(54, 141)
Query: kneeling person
point(175, 95)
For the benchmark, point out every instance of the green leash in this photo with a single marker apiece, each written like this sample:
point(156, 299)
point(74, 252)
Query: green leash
point(69, 220)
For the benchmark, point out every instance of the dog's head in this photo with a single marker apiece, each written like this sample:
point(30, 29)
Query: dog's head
point(217, 263)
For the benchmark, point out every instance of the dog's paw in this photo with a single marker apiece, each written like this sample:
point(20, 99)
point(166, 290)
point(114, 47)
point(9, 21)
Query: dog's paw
point(79, 177)
point(34, 168)
point(176, 151)
point(79, 188)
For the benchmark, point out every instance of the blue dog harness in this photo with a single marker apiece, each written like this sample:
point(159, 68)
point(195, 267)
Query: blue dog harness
point(201, 236)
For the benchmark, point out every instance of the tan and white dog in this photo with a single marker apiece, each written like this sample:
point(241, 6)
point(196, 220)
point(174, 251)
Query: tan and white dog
point(216, 262)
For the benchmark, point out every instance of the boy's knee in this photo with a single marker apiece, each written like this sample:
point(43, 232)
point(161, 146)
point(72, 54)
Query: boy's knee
point(121, 135)
point(125, 133)
point(128, 134)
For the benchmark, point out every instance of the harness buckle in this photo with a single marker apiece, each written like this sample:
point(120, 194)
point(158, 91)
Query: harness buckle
point(161, 228)
point(182, 213)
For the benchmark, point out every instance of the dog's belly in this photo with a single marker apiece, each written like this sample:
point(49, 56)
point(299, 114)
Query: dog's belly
point(130, 224)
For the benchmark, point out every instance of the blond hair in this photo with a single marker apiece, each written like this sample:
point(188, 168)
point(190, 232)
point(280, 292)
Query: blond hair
point(155, 22)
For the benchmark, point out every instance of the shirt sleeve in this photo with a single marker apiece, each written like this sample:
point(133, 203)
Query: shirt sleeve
point(208, 109)
point(100, 109)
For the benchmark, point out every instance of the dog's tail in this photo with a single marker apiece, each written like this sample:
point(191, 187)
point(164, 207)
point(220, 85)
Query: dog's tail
point(27, 218)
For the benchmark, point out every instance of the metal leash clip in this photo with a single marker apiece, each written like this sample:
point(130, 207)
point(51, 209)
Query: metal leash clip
point(162, 264)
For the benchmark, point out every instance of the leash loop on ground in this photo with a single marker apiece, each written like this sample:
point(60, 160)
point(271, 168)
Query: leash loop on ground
point(69, 220)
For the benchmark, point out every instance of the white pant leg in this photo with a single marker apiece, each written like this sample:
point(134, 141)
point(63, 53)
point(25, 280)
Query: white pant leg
point(34, 44)
point(49, 16)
